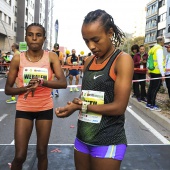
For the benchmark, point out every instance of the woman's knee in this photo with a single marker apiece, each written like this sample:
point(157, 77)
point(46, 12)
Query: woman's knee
point(42, 153)
point(20, 159)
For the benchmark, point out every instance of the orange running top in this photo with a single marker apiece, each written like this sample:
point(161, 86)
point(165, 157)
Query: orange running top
point(42, 97)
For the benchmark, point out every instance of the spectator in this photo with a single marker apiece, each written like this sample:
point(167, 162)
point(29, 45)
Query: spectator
point(140, 60)
point(167, 73)
point(61, 59)
point(134, 50)
point(158, 72)
point(15, 49)
point(71, 61)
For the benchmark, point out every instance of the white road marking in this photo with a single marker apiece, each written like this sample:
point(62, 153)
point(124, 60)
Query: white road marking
point(1, 89)
point(12, 143)
point(150, 128)
point(3, 117)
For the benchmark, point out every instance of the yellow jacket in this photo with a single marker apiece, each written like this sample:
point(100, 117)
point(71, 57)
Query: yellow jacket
point(153, 51)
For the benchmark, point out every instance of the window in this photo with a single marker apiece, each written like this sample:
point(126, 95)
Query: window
point(15, 26)
point(168, 28)
point(5, 17)
point(0, 15)
point(9, 20)
point(15, 11)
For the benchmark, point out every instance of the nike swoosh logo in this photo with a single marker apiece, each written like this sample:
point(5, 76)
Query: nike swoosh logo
point(95, 77)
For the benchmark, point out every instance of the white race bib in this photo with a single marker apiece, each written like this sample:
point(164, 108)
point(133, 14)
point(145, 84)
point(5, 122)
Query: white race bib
point(95, 98)
point(31, 72)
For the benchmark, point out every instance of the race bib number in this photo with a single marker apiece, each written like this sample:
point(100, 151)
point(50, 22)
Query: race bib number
point(31, 72)
point(95, 98)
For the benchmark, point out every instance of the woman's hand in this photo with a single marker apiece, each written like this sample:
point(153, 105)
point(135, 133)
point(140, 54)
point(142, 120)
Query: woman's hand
point(77, 101)
point(33, 84)
point(67, 110)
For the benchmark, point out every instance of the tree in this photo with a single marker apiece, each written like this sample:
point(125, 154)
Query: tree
point(129, 41)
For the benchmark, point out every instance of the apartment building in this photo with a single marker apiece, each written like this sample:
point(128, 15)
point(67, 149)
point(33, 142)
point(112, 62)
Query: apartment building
point(157, 21)
point(8, 13)
point(16, 15)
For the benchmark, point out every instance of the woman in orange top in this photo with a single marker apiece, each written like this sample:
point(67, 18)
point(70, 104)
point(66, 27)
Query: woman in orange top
point(34, 69)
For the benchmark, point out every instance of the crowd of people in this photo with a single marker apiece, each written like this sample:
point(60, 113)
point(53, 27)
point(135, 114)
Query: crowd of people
point(105, 91)
point(157, 76)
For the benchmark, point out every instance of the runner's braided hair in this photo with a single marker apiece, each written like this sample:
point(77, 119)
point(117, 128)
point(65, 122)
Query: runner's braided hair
point(107, 22)
point(38, 25)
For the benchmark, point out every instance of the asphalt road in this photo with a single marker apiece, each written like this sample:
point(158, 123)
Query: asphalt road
point(64, 130)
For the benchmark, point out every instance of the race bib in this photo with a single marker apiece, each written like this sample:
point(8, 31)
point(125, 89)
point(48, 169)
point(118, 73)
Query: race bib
point(31, 72)
point(95, 98)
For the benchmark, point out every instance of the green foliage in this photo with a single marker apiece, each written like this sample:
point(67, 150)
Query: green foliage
point(129, 41)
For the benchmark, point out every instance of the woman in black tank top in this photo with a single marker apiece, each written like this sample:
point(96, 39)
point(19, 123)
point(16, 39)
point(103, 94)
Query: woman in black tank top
point(106, 88)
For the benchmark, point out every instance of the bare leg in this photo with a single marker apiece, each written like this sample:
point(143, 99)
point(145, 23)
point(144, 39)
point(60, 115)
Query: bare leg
point(43, 128)
point(77, 79)
point(82, 161)
point(23, 130)
point(101, 164)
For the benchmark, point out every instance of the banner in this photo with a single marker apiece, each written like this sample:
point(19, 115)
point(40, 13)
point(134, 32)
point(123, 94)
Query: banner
point(22, 46)
point(56, 30)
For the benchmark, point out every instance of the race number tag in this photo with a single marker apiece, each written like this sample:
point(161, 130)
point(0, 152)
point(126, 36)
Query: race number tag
point(94, 98)
point(31, 72)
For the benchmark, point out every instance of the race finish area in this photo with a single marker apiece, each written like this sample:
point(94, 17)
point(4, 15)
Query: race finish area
point(147, 149)
point(60, 157)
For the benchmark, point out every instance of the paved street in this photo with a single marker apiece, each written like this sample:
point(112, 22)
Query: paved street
point(147, 147)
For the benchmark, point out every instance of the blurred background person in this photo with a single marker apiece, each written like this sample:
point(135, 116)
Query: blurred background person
point(15, 49)
point(134, 50)
point(71, 61)
point(140, 60)
point(167, 73)
point(61, 59)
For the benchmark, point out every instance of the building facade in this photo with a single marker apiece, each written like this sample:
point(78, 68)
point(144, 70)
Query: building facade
point(8, 14)
point(157, 21)
point(16, 15)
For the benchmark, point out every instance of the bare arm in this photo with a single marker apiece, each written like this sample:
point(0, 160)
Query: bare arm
point(12, 75)
point(61, 80)
point(122, 89)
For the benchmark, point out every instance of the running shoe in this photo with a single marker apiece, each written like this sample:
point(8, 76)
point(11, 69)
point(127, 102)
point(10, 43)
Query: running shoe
point(138, 99)
point(156, 108)
point(76, 89)
point(148, 106)
point(56, 93)
point(71, 89)
point(11, 100)
point(144, 100)
point(51, 94)
point(151, 108)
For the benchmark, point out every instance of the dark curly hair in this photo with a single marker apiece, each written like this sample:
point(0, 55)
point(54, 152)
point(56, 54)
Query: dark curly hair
point(107, 22)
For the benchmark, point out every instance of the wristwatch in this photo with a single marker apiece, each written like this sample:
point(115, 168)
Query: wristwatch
point(84, 106)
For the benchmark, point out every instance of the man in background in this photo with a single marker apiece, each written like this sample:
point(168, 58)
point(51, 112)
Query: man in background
point(140, 60)
point(15, 49)
point(71, 61)
point(157, 72)
point(61, 59)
